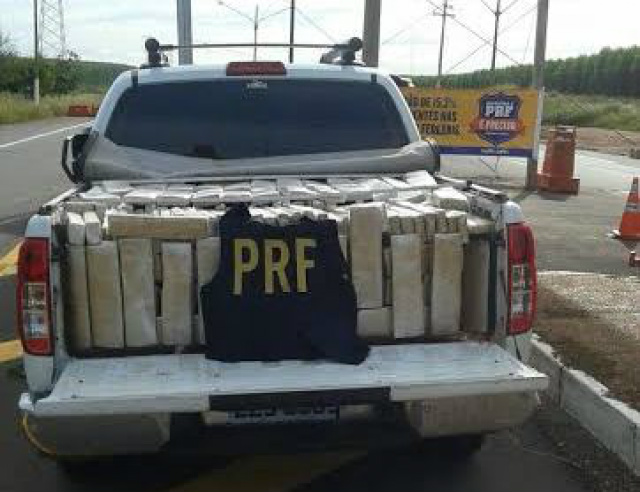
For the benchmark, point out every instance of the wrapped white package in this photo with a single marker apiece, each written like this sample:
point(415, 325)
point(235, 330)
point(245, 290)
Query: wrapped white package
point(446, 284)
point(207, 196)
point(105, 295)
point(365, 240)
point(138, 292)
point(407, 292)
point(450, 199)
point(177, 298)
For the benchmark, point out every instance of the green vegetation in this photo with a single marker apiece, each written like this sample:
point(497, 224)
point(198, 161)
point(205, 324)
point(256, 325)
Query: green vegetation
point(63, 81)
point(59, 76)
point(592, 111)
point(15, 107)
point(98, 76)
point(612, 72)
point(601, 91)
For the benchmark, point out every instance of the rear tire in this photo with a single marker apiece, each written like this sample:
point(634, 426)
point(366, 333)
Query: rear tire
point(454, 448)
point(75, 468)
point(464, 447)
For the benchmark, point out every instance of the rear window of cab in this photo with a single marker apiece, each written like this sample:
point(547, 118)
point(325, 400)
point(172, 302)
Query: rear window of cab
point(244, 118)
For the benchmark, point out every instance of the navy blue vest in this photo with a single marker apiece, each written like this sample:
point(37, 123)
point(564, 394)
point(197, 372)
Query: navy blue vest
point(280, 293)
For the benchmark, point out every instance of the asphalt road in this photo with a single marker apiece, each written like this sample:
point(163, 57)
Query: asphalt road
point(30, 175)
point(571, 231)
point(30, 171)
point(549, 453)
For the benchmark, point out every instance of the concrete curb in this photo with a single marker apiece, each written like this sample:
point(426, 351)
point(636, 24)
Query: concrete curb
point(613, 423)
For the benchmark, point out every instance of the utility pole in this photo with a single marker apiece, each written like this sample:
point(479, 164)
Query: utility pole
point(542, 22)
point(256, 25)
point(185, 35)
point(292, 30)
point(444, 14)
point(537, 83)
point(497, 13)
point(371, 34)
point(36, 56)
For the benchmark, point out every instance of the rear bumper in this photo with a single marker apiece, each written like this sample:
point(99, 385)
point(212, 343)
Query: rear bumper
point(383, 426)
point(433, 389)
point(192, 384)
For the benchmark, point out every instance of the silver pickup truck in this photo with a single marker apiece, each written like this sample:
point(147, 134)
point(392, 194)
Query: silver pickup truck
point(92, 392)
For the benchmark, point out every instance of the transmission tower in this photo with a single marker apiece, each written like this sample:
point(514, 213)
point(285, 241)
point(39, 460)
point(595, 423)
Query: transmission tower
point(51, 37)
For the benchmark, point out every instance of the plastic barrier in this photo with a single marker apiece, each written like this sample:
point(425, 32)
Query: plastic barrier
point(83, 110)
point(559, 162)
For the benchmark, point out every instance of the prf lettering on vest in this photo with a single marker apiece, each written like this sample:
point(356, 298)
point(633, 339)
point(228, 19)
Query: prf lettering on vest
point(276, 257)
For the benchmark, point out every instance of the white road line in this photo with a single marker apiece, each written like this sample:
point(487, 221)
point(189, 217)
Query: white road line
point(41, 135)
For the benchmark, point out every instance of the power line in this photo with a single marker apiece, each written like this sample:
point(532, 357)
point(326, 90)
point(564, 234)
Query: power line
point(406, 28)
point(489, 7)
point(264, 17)
point(486, 41)
point(502, 31)
point(493, 11)
point(256, 20)
point(237, 11)
point(314, 24)
point(272, 4)
point(517, 20)
point(476, 34)
point(526, 48)
point(508, 7)
point(470, 55)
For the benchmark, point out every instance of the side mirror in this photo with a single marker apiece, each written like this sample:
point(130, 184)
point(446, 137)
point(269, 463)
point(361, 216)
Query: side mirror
point(77, 143)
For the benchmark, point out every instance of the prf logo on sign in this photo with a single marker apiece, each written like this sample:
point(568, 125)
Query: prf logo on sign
point(499, 119)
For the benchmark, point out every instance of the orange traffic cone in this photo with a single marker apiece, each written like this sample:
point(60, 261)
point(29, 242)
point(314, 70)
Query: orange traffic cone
point(630, 223)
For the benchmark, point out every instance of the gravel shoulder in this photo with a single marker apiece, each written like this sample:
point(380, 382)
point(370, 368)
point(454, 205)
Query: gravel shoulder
point(593, 322)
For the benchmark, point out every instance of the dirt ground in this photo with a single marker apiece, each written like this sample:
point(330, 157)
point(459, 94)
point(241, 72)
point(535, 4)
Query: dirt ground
point(593, 322)
point(607, 141)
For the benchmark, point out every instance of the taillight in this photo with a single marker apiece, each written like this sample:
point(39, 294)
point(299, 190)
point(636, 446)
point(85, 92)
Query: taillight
point(239, 69)
point(33, 297)
point(522, 278)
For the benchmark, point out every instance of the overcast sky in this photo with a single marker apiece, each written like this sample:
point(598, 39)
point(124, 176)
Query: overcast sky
point(115, 30)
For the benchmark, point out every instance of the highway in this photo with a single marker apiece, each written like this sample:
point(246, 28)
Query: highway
point(571, 231)
point(550, 453)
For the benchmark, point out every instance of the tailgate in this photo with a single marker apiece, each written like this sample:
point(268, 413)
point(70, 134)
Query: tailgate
point(191, 383)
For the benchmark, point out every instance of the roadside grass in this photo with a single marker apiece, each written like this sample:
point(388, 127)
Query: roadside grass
point(592, 111)
point(15, 108)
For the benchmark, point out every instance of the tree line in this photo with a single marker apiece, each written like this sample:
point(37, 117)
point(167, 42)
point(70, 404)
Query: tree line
point(612, 72)
point(57, 75)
